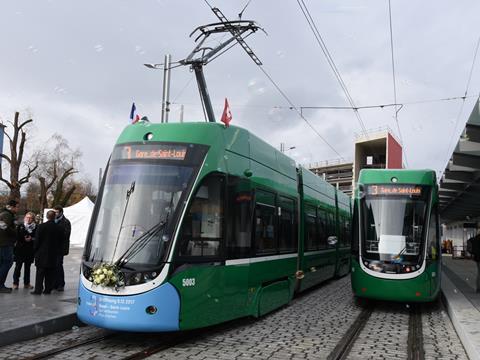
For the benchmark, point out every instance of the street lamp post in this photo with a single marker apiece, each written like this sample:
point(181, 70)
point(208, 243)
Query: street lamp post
point(166, 86)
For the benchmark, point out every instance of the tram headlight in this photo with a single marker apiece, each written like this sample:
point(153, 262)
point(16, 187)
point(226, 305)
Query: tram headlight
point(134, 279)
point(137, 278)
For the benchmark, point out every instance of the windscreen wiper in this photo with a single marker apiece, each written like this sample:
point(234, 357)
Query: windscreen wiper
point(140, 243)
point(129, 192)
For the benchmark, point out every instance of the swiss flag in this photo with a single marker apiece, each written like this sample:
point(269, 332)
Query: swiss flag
point(227, 114)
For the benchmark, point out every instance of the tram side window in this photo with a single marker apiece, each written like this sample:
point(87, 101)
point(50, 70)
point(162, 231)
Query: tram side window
point(332, 231)
point(322, 229)
point(202, 228)
point(287, 234)
point(310, 228)
point(239, 239)
point(345, 232)
point(265, 237)
point(433, 234)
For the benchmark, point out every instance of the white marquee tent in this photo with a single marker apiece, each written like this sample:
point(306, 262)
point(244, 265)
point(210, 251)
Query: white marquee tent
point(79, 215)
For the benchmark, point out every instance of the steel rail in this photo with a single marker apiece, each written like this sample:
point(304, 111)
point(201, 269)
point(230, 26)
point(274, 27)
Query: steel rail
point(172, 340)
point(415, 334)
point(65, 348)
point(341, 351)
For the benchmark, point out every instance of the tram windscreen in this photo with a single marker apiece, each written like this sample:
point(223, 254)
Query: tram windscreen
point(138, 206)
point(394, 223)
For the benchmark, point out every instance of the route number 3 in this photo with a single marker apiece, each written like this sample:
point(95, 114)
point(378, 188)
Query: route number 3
point(188, 282)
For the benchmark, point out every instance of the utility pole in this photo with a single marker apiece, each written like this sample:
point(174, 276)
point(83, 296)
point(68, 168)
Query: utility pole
point(166, 85)
point(166, 88)
point(181, 113)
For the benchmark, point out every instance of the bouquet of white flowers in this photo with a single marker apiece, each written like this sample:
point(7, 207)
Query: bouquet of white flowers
point(107, 275)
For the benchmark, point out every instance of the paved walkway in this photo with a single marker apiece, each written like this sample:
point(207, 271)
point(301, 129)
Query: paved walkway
point(24, 316)
point(463, 303)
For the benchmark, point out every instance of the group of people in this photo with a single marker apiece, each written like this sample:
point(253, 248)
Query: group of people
point(45, 244)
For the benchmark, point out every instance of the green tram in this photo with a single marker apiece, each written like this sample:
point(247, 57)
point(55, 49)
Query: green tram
point(396, 236)
point(202, 224)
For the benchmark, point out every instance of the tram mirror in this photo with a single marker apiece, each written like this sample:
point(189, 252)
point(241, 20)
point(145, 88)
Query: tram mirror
point(332, 240)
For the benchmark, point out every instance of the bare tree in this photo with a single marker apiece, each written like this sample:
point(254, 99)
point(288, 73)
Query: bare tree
point(57, 163)
point(17, 145)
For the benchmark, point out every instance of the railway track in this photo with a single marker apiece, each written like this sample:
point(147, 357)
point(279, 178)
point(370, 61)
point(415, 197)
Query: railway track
point(158, 343)
point(415, 334)
point(70, 346)
point(373, 315)
point(344, 346)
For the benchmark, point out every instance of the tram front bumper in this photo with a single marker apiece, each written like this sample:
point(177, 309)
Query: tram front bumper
point(417, 289)
point(155, 310)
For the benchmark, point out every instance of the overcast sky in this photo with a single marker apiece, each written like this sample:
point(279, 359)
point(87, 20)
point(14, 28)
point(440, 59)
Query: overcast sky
point(76, 66)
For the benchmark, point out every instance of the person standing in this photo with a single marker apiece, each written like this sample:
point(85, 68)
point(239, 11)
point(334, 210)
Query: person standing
point(48, 248)
point(8, 237)
point(23, 251)
point(476, 258)
point(64, 223)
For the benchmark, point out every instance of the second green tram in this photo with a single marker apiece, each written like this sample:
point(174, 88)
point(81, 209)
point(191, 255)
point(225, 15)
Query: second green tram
point(396, 236)
point(202, 224)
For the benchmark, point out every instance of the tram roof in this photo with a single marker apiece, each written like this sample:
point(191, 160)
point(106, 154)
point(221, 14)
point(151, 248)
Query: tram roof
point(215, 135)
point(403, 176)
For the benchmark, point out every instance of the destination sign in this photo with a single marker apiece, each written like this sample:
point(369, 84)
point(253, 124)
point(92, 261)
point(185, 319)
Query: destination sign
point(150, 151)
point(381, 190)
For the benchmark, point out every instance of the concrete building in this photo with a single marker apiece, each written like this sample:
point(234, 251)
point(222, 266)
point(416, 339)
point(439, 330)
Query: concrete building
point(378, 149)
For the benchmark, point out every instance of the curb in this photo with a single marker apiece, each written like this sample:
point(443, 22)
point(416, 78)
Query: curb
point(465, 317)
point(43, 328)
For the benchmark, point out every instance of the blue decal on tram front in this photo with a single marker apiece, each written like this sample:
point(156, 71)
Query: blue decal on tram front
point(129, 313)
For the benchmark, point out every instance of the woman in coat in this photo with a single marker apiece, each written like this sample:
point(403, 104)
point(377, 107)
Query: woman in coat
point(23, 251)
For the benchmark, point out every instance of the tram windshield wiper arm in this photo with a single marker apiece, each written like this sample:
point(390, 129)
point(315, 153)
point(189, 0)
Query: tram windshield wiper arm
point(129, 192)
point(140, 243)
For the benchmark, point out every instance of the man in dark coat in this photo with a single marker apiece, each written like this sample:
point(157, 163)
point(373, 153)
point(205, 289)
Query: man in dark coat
point(8, 236)
point(476, 258)
point(48, 248)
point(64, 223)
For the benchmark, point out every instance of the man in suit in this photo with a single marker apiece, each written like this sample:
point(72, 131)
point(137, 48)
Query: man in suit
point(48, 248)
point(64, 223)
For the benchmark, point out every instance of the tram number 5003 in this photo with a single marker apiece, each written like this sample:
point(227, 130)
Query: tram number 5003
point(188, 282)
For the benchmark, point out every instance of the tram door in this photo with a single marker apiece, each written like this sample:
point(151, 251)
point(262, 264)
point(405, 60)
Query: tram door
point(238, 247)
point(199, 274)
point(434, 251)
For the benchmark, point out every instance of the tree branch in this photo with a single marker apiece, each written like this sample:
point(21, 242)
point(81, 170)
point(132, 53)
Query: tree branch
point(29, 173)
point(6, 158)
point(25, 123)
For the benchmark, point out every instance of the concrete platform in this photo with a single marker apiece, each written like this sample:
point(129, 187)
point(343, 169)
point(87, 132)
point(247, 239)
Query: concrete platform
point(24, 316)
point(463, 303)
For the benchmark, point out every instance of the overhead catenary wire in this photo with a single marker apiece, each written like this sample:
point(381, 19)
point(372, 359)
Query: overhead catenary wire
point(284, 95)
point(395, 83)
point(366, 107)
point(293, 107)
point(331, 62)
point(244, 8)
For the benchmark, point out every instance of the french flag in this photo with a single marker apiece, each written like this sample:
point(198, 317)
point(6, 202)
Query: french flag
point(134, 117)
